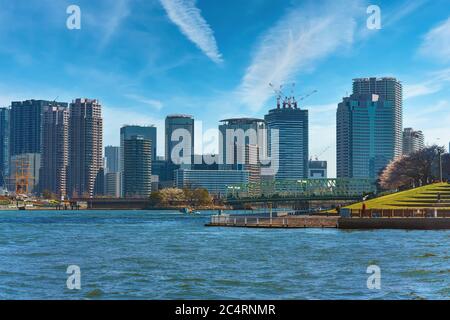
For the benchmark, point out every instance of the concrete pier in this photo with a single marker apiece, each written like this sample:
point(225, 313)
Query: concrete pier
point(275, 222)
point(409, 223)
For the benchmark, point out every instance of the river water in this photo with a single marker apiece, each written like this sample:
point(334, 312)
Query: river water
point(167, 255)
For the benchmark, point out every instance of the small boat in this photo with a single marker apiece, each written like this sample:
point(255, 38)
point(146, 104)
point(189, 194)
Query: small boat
point(186, 211)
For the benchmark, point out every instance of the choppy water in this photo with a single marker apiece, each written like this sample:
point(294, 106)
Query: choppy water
point(151, 255)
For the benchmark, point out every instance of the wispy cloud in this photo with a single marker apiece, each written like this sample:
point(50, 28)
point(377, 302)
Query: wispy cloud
point(107, 20)
point(436, 43)
point(153, 103)
point(295, 44)
point(424, 117)
point(402, 10)
point(420, 89)
point(188, 18)
point(119, 11)
point(434, 83)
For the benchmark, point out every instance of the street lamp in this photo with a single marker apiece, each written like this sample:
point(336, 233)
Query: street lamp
point(440, 163)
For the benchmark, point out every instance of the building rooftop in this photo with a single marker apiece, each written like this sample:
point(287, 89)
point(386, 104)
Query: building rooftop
point(374, 78)
point(179, 116)
point(242, 120)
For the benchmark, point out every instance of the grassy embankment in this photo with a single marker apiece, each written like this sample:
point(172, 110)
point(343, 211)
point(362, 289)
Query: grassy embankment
point(418, 198)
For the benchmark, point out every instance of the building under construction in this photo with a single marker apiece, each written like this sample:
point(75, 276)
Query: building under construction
point(24, 178)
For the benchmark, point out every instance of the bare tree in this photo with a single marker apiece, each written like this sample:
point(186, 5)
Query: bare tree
point(417, 169)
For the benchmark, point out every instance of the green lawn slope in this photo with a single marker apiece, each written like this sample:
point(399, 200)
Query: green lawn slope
point(418, 198)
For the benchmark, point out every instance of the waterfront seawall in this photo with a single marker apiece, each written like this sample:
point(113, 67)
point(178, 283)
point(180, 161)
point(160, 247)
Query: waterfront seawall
point(395, 223)
point(275, 222)
point(410, 223)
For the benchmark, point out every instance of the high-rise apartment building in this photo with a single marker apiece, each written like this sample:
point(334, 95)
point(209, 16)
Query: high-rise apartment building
point(26, 125)
point(112, 159)
point(55, 150)
point(389, 89)
point(85, 148)
point(148, 132)
point(4, 146)
point(292, 125)
point(112, 172)
point(129, 131)
point(413, 141)
point(113, 184)
point(137, 173)
point(369, 127)
point(367, 135)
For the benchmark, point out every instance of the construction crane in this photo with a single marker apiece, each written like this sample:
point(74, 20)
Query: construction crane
point(279, 93)
point(289, 102)
point(307, 95)
point(295, 102)
point(317, 156)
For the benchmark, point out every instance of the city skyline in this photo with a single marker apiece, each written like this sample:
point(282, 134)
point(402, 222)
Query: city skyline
point(212, 82)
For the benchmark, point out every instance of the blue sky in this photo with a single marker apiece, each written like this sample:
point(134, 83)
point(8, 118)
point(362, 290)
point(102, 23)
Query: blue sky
point(144, 59)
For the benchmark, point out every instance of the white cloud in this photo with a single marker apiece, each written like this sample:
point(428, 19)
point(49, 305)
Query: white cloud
point(436, 44)
point(107, 20)
point(435, 82)
point(420, 89)
point(153, 103)
point(188, 18)
point(403, 10)
point(423, 117)
point(120, 10)
point(295, 44)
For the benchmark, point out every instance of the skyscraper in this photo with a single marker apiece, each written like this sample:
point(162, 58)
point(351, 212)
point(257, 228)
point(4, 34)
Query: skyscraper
point(26, 125)
point(148, 132)
point(112, 172)
point(113, 184)
point(293, 148)
point(129, 131)
point(137, 173)
point(55, 150)
point(112, 159)
point(389, 89)
point(413, 141)
point(4, 146)
point(85, 148)
point(238, 133)
point(174, 123)
point(367, 135)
